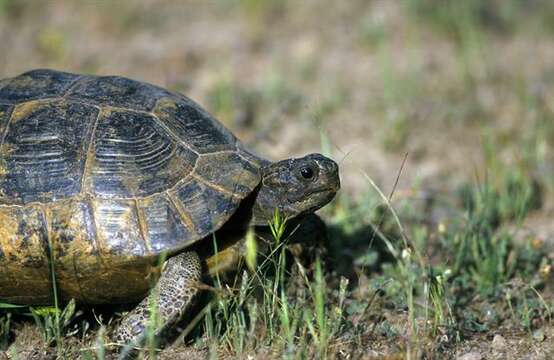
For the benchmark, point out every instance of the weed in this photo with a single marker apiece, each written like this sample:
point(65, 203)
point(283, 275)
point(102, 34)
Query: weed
point(263, 305)
point(52, 45)
point(55, 323)
point(5, 322)
point(412, 76)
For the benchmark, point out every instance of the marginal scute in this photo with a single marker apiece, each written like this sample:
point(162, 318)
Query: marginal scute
point(193, 125)
point(23, 255)
point(43, 153)
point(73, 244)
point(252, 159)
point(41, 83)
point(164, 227)
point(117, 92)
point(206, 207)
point(118, 280)
point(229, 172)
point(134, 157)
point(118, 228)
point(123, 257)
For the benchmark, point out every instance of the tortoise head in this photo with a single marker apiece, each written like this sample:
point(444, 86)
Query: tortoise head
point(295, 187)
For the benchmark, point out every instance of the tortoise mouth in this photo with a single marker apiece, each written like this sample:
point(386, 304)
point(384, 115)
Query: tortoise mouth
point(312, 202)
point(319, 195)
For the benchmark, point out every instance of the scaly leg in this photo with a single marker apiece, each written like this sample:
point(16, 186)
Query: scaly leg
point(173, 295)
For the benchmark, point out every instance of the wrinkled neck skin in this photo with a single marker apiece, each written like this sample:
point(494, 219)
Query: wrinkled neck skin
point(270, 196)
point(264, 207)
point(267, 201)
point(264, 198)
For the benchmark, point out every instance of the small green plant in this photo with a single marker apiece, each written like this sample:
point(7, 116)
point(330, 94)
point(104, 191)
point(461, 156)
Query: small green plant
point(488, 256)
point(222, 98)
point(55, 323)
point(442, 315)
point(278, 226)
point(258, 310)
point(5, 327)
point(52, 45)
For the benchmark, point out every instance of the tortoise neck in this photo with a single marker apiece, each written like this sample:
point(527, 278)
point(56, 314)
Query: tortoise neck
point(264, 202)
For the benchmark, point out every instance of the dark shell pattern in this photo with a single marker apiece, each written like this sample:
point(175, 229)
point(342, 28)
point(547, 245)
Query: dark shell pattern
point(101, 175)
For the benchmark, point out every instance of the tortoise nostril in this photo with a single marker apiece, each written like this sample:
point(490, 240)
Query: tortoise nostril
point(330, 166)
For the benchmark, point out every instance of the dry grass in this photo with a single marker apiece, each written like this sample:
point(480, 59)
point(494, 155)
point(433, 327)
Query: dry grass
point(464, 90)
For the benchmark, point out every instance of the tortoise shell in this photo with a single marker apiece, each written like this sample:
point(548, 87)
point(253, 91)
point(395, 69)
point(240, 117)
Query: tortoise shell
point(101, 175)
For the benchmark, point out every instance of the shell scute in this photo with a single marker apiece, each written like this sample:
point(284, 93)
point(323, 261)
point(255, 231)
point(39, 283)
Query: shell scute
point(193, 125)
point(164, 227)
point(228, 172)
point(118, 228)
point(202, 207)
point(5, 111)
point(134, 157)
point(44, 150)
point(73, 244)
point(24, 255)
point(35, 84)
point(117, 91)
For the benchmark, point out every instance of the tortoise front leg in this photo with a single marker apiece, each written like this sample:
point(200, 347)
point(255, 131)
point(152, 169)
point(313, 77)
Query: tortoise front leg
point(173, 295)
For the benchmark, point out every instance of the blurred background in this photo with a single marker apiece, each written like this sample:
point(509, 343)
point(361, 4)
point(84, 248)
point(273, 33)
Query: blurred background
point(447, 103)
point(443, 81)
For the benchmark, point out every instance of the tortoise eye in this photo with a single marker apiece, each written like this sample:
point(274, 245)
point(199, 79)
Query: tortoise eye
point(306, 172)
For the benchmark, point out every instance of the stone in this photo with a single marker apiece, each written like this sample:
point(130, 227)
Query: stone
point(472, 355)
point(538, 335)
point(498, 342)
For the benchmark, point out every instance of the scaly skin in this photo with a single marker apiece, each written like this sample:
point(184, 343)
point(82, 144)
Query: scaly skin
point(173, 295)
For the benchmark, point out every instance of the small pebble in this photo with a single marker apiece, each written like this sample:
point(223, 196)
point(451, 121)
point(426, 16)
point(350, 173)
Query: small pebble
point(538, 335)
point(473, 355)
point(536, 357)
point(498, 342)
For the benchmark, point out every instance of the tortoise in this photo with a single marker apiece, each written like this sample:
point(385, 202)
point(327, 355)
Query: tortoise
point(101, 176)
